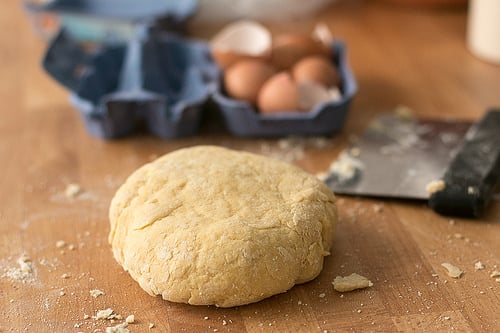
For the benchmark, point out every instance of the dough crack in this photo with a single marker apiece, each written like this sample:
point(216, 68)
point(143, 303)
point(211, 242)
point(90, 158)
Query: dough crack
point(158, 218)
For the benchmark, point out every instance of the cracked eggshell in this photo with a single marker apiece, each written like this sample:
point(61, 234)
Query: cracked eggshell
point(312, 94)
point(279, 94)
point(288, 49)
point(322, 34)
point(240, 40)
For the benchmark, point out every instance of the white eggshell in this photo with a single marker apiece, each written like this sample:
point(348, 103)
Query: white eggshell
point(245, 37)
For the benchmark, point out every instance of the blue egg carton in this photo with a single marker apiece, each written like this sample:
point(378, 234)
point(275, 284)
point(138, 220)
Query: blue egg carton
point(157, 81)
point(243, 119)
point(153, 79)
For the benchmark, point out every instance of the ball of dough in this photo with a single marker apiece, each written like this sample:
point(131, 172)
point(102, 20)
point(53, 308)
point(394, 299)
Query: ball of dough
point(208, 225)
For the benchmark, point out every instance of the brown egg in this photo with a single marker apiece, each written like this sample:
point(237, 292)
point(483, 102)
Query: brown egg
point(316, 69)
point(244, 79)
point(290, 48)
point(226, 59)
point(279, 94)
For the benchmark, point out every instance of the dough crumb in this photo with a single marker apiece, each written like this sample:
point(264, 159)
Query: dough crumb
point(435, 186)
point(73, 190)
point(378, 208)
point(495, 274)
point(120, 328)
point(351, 282)
point(130, 319)
point(479, 266)
point(104, 314)
point(96, 293)
point(60, 244)
point(322, 295)
point(453, 271)
point(151, 325)
point(65, 276)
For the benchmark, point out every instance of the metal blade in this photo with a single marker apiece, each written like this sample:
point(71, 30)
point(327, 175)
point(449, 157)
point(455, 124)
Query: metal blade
point(397, 157)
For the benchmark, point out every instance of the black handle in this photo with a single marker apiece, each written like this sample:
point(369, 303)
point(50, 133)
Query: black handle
point(473, 174)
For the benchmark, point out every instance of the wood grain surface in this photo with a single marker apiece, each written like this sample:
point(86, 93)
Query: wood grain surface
point(400, 56)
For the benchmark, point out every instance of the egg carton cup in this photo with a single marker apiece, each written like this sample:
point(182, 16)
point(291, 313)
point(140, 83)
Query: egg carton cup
point(242, 119)
point(157, 80)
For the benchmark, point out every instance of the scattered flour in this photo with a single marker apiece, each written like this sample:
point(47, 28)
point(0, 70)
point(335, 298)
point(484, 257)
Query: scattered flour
point(73, 190)
point(120, 328)
point(292, 148)
point(96, 293)
point(344, 168)
point(24, 272)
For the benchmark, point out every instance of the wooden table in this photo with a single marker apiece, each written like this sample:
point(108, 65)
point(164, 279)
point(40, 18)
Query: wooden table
point(400, 56)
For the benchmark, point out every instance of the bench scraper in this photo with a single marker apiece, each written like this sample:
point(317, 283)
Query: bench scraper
point(399, 157)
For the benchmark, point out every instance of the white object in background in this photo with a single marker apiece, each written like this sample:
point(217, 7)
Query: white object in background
point(228, 10)
point(483, 29)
